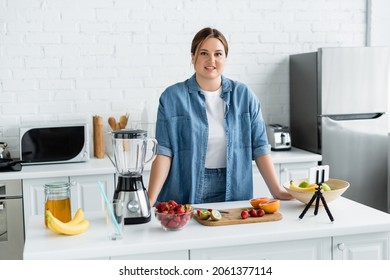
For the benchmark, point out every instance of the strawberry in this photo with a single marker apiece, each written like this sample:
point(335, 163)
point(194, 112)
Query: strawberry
point(163, 219)
point(253, 213)
point(198, 211)
point(162, 207)
point(177, 219)
point(260, 213)
point(183, 222)
point(179, 209)
point(172, 203)
point(172, 224)
point(244, 214)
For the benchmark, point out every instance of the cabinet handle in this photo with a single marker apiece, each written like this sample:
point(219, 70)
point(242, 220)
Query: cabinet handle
point(341, 246)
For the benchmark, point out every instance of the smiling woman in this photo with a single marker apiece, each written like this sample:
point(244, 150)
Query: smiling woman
point(209, 52)
point(223, 128)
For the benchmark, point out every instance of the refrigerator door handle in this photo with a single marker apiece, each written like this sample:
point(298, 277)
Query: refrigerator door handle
point(349, 117)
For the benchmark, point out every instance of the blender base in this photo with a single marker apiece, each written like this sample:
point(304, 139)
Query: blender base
point(137, 220)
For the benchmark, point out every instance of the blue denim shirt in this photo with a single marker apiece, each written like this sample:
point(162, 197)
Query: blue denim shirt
point(182, 133)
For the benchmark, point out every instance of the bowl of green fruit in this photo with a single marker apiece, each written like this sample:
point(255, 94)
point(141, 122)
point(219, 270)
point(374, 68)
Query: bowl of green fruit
point(303, 191)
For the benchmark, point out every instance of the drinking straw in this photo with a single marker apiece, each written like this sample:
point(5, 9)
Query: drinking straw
point(118, 229)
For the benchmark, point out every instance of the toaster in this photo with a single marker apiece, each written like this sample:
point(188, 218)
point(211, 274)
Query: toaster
point(279, 137)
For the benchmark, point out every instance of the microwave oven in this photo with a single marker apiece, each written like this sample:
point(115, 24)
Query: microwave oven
point(54, 144)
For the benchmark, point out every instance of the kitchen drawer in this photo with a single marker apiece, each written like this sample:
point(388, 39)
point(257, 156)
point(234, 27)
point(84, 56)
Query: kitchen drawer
point(169, 255)
point(308, 249)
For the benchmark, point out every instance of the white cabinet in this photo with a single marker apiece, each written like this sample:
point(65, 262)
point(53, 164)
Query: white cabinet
point(293, 171)
point(168, 255)
point(308, 249)
point(374, 246)
point(285, 172)
point(371, 246)
point(85, 193)
point(260, 188)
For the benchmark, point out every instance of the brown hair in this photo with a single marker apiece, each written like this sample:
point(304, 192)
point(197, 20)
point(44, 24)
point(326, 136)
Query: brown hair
point(205, 34)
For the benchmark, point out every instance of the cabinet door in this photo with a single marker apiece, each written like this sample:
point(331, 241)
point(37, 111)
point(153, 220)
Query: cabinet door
point(34, 196)
point(86, 193)
point(308, 249)
point(374, 246)
point(260, 188)
point(293, 171)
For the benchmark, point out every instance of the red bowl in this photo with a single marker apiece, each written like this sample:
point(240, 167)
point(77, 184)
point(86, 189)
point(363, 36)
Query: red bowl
point(171, 222)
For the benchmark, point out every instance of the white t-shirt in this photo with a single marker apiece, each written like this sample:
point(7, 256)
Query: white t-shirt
point(216, 145)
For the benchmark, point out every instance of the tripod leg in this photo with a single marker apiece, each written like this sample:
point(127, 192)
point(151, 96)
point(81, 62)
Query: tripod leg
point(327, 208)
point(317, 203)
point(307, 207)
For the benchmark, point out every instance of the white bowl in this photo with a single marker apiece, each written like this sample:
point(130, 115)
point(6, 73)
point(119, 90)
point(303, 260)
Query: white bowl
point(338, 188)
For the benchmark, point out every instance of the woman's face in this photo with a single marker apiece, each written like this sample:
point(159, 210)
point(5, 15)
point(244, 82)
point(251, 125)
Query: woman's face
point(210, 60)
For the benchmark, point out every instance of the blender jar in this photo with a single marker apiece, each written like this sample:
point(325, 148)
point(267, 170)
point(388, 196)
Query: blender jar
point(130, 149)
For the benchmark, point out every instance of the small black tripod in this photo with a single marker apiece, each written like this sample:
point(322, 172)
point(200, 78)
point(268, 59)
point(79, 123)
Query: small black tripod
point(317, 196)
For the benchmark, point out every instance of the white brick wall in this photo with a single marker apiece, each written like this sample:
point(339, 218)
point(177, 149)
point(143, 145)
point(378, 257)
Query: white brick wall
point(72, 59)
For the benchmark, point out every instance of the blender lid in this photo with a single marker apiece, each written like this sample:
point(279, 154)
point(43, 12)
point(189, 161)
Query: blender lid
point(129, 134)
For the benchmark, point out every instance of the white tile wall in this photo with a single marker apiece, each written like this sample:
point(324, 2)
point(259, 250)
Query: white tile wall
point(71, 59)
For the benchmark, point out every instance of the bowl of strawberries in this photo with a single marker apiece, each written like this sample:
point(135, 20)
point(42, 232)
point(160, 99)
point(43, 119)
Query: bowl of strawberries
point(172, 215)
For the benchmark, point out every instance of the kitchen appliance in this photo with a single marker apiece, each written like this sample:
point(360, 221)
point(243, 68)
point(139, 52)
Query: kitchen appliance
point(11, 220)
point(278, 137)
point(338, 108)
point(4, 153)
point(56, 143)
point(7, 165)
point(130, 149)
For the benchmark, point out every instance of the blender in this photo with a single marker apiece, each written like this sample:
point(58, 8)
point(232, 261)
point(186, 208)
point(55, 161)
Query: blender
point(130, 149)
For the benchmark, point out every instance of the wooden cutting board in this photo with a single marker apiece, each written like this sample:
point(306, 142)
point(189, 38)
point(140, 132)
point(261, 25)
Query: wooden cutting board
point(234, 218)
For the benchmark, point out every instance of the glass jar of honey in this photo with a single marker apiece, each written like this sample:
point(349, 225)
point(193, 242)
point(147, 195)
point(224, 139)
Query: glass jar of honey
point(57, 200)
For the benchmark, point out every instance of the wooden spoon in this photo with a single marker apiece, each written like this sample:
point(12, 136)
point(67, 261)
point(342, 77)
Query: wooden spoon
point(123, 121)
point(112, 123)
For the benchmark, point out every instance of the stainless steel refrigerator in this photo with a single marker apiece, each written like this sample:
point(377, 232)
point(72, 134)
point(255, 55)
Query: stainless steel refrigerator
point(338, 108)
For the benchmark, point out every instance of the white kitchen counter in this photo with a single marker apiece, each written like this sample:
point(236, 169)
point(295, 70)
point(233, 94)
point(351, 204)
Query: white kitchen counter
point(99, 166)
point(90, 167)
point(294, 155)
point(351, 218)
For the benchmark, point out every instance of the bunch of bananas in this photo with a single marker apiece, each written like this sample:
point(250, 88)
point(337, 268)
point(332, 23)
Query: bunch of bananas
point(304, 186)
point(76, 226)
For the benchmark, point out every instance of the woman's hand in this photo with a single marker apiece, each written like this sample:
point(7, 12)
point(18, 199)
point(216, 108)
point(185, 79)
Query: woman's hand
point(158, 175)
point(266, 167)
point(282, 194)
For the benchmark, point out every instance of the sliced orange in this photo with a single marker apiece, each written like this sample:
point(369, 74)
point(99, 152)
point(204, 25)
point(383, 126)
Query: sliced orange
point(270, 206)
point(259, 200)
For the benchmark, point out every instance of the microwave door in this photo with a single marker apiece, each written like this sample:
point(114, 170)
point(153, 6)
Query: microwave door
point(54, 144)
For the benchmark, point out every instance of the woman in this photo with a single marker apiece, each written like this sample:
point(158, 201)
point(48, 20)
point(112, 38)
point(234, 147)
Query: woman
point(209, 129)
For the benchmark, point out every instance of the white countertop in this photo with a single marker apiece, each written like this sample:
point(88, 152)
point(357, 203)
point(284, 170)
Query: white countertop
point(350, 218)
point(294, 155)
point(90, 167)
point(105, 166)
